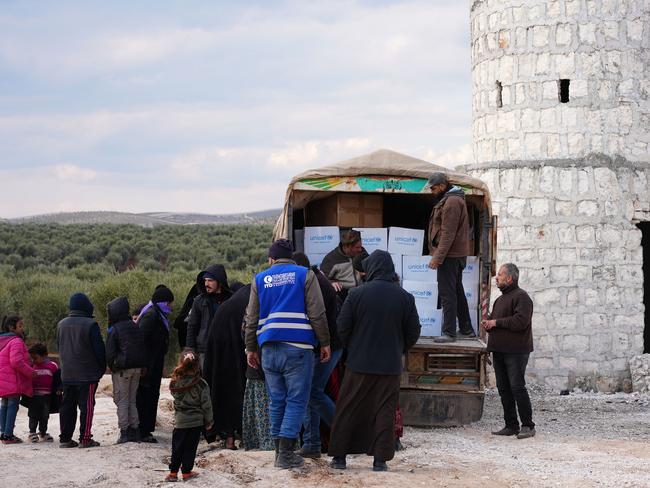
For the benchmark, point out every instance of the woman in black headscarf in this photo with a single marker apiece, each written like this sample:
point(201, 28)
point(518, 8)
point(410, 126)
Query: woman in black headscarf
point(225, 365)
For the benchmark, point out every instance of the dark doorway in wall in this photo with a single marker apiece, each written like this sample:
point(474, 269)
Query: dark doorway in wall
point(645, 243)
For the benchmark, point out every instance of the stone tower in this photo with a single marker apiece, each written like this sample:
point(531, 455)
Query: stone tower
point(561, 135)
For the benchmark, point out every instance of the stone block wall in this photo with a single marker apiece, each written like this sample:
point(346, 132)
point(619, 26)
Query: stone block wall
point(601, 46)
point(570, 227)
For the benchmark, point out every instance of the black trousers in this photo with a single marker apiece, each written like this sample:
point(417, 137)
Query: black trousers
point(39, 413)
point(510, 371)
point(184, 444)
point(82, 396)
point(451, 295)
point(146, 402)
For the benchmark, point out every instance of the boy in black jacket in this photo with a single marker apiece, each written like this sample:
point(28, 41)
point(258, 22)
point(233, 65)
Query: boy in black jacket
point(124, 355)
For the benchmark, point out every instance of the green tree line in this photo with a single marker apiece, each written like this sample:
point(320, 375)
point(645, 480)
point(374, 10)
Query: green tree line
point(41, 265)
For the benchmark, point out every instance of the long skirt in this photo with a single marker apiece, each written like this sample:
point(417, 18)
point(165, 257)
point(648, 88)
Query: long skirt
point(256, 428)
point(364, 421)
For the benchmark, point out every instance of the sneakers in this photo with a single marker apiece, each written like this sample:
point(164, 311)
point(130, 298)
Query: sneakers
point(338, 462)
point(88, 443)
point(506, 431)
point(526, 432)
point(68, 444)
point(45, 437)
point(172, 476)
point(443, 339)
point(11, 439)
point(33, 437)
point(378, 465)
point(190, 475)
point(469, 335)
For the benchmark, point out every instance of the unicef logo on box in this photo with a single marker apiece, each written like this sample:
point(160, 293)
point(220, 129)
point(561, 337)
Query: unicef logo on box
point(325, 238)
point(406, 240)
point(418, 268)
point(422, 293)
point(429, 321)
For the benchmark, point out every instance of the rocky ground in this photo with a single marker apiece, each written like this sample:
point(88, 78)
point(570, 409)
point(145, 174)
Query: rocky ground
point(584, 439)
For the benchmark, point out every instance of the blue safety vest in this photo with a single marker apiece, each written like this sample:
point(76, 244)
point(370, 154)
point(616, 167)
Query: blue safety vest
point(283, 317)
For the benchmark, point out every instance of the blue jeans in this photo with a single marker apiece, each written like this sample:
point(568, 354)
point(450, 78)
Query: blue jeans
point(288, 372)
point(8, 412)
point(320, 405)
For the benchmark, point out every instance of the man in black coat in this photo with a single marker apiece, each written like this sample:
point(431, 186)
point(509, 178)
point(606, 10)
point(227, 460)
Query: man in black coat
point(378, 324)
point(154, 323)
point(212, 284)
point(125, 358)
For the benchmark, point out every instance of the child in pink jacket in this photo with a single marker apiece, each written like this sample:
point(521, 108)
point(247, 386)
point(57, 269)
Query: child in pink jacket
point(15, 375)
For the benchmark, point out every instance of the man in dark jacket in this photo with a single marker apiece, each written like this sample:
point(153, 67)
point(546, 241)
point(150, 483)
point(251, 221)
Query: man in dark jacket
point(83, 363)
point(321, 406)
point(448, 242)
point(125, 358)
point(154, 324)
point(378, 324)
point(212, 284)
point(511, 342)
point(337, 264)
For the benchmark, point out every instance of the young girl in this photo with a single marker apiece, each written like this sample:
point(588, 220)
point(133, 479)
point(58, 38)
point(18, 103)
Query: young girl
point(192, 413)
point(39, 406)
point(15, 375)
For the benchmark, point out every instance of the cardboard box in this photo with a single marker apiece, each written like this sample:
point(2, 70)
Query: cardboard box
point(425, 293)
point(471, 271)
point(321, 240)
point(316, 259)
point(474, 317)
point(374, 238)
point(431, 322)
point(416, 268)
point(407, 242)
point(397, 261)
point(347, 210)
point(473, 296)
point(299, 240)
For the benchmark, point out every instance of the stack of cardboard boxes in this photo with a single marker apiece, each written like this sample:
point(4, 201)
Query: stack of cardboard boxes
point(405, 247)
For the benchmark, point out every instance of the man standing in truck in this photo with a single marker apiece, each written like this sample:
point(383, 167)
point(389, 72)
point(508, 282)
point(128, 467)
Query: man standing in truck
point(511, 342)
point(448, 242)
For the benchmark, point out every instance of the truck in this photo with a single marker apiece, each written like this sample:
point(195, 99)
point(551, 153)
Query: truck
point(441, 384)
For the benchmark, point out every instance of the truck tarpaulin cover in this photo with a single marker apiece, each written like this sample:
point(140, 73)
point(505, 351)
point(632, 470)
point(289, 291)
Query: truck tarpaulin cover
point(382, 163)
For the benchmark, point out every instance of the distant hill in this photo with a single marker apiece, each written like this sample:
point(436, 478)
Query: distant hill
point(150, 219)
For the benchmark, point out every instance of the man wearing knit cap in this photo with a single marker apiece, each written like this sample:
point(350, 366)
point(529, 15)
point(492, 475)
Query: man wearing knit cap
point(448, 243)
point(286, 319)
point(83, 363)
point(212, 284)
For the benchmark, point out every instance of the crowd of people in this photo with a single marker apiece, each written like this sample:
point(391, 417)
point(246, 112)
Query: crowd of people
point(298, 352)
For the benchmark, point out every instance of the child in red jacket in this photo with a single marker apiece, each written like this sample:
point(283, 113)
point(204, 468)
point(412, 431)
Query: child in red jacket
point(15, 375)
point(39, 405)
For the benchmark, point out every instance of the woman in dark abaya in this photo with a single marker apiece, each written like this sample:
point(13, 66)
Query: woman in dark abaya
point(225, 366)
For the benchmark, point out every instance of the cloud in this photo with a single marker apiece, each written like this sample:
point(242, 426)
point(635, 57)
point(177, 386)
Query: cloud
point(75, 173)
point(452, 158)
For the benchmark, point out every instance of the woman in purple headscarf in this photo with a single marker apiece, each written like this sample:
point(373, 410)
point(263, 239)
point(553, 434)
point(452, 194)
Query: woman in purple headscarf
point(154, 323)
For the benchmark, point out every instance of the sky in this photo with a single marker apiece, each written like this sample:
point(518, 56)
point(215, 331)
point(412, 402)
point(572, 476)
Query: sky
point(212, 106)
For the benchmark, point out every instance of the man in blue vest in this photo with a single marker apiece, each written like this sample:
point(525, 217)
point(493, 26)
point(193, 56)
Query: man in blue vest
point(286, 323)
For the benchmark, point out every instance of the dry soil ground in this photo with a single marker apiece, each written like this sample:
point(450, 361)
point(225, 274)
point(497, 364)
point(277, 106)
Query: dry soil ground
point(583, 440)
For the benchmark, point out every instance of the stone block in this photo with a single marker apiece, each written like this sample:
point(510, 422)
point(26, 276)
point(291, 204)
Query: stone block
point(587, 33)
point(591, 63)
point(599, 343)
point(564, 209)
point(514, 149)
point(626, 88)
point(572, 297)
point(610, 30)
point(605, 182)
point(568, 362)
point(588, 208)
point(595, 321)
point(553, 146)
point(567, 255)
point(547, 255)
point(592, 297)
point(574, 343)
point(526, 65)
point(546, 298)
point(590, 254)
point(582, 274)
point(529, 119)
point(640, 373)
point(533, 145)
point(576, 142)
point(549, 90)
point(500, 149)
point(620, 342)
point(547, 179)
point(524, 256)
point(584, 181)
point(544, 363)
point(566, 234)
point(554, 8)
point(516, 207)
point(629, 274)
point(572, 7)
point(578, 88)
point(507, 182)
point(541, 35)
point(560, 274)
point(613, 62)
point(548, 117)
point(539, 207)
point(564, 64)
point(542, 63)
point(631, 322)
point(635, 30)
point(535, 12)
point(585, 234)
point(606, 91)
point(613, 298)
point(563, 35)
